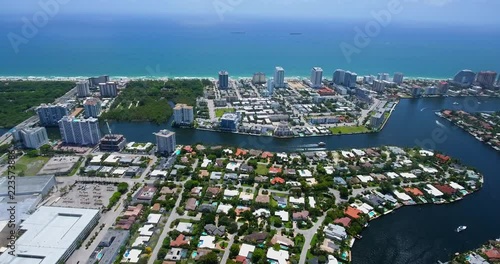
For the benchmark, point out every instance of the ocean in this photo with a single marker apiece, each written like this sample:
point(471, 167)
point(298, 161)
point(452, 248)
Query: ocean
point(71, 46)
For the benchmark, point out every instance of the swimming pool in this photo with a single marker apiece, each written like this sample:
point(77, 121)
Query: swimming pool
point(371, 214)
point(194, 254)
point(127, 253)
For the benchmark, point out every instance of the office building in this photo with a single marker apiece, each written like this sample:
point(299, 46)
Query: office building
point(183, 114)
point(32, 138)
point(259, 78)
point(95, 81)
point(279, 77)
point(51, 235)
point(464, 77)
point(350, 79)
point(165, 141)
point(83, 132)
point(112, 143)
point(486, 79)
point(270, 87)
point(108, 90)
point(109, 247)
point(398, 78)
point(50, 114)
point(223, 80)
point(378, 86)
point(92, 107)
point(83, 88)
point(383, 77)
point(230, 122)
point(338, 77)
point(316, 77)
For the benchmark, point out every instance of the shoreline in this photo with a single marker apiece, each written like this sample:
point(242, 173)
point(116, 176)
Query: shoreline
point(142, 77)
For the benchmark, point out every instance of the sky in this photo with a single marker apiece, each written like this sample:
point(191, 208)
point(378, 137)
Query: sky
point(471, 12)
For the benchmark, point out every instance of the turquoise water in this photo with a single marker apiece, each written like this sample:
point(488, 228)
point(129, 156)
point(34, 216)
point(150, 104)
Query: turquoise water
point(371, 214)
point(126, 253)
point(177, 152)
point(194, 254)
point(139, 46)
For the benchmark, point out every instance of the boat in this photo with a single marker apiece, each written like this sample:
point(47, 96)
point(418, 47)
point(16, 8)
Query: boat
point(461, 228)
point(455, 103)
point(358, 236)
point(321, 144)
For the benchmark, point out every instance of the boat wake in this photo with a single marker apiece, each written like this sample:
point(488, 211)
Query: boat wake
point(440, 124)
point(421, 110)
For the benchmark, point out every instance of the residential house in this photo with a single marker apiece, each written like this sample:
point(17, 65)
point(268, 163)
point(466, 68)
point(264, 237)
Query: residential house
point(181, 240)
point(256, 238)
point(300, 216)
point(336, 232)
point(214, 230)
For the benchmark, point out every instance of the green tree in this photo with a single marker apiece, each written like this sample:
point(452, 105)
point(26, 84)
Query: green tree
point(257, 255)
point(210, 258)
point(234, 250)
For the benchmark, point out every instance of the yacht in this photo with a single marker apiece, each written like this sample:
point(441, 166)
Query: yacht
point(455, 103)
point(461, 228)
point(321, 144)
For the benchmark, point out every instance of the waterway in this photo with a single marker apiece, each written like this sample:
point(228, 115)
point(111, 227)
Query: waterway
point(420, 234)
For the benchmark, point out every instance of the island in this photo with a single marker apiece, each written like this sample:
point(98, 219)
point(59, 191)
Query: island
point(483, 126)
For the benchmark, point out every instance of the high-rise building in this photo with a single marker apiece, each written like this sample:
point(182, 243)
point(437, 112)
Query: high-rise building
point(223, 80)
point(443, 87)
point(464, 77)
point(350, 79)
point(383, 77)
point(270, 87)
point(378, 86)
point(486, 79)
point(316, 77)
point(183, 114)
point(112, 142)
point(31, 137)
point(50, 114)
point(279, 77)
point(83, 88)
point(229, 122)
point(95, 81)
point(259, 78)
point(368, 79)
point(92, 107)
point(84, 132)
point(109, 89)
point(165, 141)
point(338, 77)
point(398, 78)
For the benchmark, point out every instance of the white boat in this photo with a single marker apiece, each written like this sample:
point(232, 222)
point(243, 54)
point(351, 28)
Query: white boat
point(461, 228)
point(455, 103)
point(321, 144)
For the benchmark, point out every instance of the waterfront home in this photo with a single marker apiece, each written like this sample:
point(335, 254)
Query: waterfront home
point(335, 232)
point(445, 189)
point(329, 246)
point(433, 191)
point(345, 221)
point(352, 212)
point(402, 196)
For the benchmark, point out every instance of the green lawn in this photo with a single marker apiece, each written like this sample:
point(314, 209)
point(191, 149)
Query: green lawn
point(29, 166)
point(261, 169)
point(221, 111)
point(349, 129)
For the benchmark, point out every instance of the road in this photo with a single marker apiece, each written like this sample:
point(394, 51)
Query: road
point(308, 235)
point(227, 251)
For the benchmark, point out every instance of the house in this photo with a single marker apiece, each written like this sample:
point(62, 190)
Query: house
point(230, 177)
point(282, 240)
point(290, 172)
point(266, 155)
point(180, 241)
point(274, 170)
point(212, 192)
point(282, 201)
point(353, 212)
point(345, 221)
point(196, 191)
point(203, 173)
point(245, 196)
point(329, 246)
point(305, 173)
point(215, 175)
point(283, 215)
point(444, 188)
point(146, 230)
point(214, 230)
point(493, 254)
point(300, 216)
point(167, 190)
point(224, 208)
point(207, 242)
point(277, 180)
point(246, 168)
point(443, 158)
point(154, 218)
point(256, 238)
point(156, 207)
point(335, 232)
point(145, 195)
point(246, 250)
point(339, 181)
point(261, 179)
point(299, 200)
point(240, 209)
point(228, 194)
point(191, 204)
point(176, 254)
point(133, 211)
point(279, 256)
point(261, 212)
point(233, 166)
point(263, 199)
point(206, 208)
point(184, 227)
point(414, 191)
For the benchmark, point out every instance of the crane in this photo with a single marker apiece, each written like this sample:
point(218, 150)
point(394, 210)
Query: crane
point(109, 129)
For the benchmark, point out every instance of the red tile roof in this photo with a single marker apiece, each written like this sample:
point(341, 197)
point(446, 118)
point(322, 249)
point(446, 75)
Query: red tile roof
point(442, 158)
point(188, 148)
point(493, 254)
point(276, 180)
point(266, 155)
point(345, 221)
point(274, 170)
point(241, 152)
point(179, 241)
point(353, 212)
point(414, 191)
point(445, 188)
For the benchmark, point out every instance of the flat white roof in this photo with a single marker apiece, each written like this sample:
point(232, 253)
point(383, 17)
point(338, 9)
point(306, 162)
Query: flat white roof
point(392, 175)
point(456, 186)
point(154, 218)
point(312, 202)
point(184, 227)
point(433, 191)
point(156, 173)
point(246, 196)
point(408, 175)
point(283, 215)
point(280, 256)
point(245, 249)
point(402, 196)
point(426, 153)
point(231, 193)
point(140, 240)
point(132, 256)
point(224, 208)
point(144, 231)
point(50, 232)
point(294, 200)
point(365, 179)
point(207, 242)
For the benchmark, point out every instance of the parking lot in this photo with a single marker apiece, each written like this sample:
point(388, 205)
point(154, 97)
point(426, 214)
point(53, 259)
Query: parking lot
point(91, 196)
